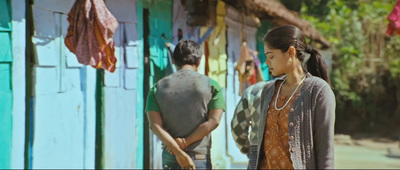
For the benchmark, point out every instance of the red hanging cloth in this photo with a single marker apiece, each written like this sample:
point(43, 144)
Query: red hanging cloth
point(394, 20)
point(90, 34)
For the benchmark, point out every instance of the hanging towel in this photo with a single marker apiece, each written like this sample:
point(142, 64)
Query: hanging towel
point(245, 67)
point(90, 34)
point(394, 20)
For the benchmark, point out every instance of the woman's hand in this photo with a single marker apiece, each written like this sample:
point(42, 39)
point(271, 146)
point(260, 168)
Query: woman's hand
point(185, 161)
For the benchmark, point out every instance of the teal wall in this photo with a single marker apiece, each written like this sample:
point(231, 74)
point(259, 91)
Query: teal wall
point(5, 85)
point(139, 95)
point(160, 21)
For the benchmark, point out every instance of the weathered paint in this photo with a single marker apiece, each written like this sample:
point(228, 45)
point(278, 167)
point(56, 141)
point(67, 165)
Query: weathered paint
point(120, 145)
point(63, 98)
point(6, 85)
point(5, 116)
point(18, 83)
point(160, 23)
point(70, 88)
point(88, 84)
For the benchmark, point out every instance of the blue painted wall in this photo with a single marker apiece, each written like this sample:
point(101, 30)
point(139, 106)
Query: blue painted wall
point(121, 146)
point(18, 83)
point(62, 116)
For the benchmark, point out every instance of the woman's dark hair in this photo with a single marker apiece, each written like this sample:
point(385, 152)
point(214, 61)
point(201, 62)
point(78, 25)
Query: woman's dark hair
point(187, 52)
point(285, 36)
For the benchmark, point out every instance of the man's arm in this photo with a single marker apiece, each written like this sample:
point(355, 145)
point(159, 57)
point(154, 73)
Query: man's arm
point(156, 125)
point(214, 117)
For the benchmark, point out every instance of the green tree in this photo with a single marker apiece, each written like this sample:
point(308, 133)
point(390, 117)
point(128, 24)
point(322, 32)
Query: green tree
point(366, 63)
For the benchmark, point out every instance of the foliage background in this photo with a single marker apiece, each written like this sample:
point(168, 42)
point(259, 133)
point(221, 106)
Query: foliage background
point(366, 63)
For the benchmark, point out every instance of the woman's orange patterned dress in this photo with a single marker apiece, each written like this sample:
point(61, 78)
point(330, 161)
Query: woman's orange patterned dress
point(276, 142)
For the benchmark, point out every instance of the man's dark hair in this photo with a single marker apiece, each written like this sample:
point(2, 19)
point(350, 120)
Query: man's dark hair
point(187, 52)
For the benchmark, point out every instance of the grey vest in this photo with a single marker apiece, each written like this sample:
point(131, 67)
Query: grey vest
point(183, 98)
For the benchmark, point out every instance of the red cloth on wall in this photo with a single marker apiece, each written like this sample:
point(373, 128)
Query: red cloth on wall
point(90, 34)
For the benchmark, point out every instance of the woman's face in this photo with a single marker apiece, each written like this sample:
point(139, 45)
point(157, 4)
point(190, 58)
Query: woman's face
point(277, 61)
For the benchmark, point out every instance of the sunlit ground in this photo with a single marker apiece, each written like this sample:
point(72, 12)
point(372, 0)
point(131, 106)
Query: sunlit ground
point(360, 154)
point(365, 154)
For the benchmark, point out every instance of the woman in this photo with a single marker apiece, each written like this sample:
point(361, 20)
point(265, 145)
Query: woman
point(183, 108)
point(299, 109)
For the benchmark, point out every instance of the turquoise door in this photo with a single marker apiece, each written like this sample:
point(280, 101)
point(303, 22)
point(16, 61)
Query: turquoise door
point(5, 85)
point(154, 29)
point(160, 21)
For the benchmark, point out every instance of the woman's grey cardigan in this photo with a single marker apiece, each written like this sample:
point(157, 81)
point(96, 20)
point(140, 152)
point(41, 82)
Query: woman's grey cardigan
point(311, 123)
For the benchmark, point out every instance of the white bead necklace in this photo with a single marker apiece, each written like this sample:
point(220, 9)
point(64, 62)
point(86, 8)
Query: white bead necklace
point(279, 91)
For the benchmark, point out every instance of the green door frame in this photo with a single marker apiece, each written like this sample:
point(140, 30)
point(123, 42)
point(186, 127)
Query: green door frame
point(29, 63)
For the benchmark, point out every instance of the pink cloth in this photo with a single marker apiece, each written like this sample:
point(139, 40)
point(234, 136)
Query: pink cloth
point(90, 34)
point(394, 20)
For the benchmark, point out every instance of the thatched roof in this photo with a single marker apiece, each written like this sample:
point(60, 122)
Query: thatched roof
point(278, 14)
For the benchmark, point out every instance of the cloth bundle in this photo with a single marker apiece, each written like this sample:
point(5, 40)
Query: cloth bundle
point(90, 34)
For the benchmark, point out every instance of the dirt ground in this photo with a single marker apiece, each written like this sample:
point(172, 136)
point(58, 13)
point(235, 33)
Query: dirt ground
point(361, 153)
point(365, 153)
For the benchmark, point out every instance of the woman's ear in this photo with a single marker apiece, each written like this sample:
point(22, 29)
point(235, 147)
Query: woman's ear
point(292, 51)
